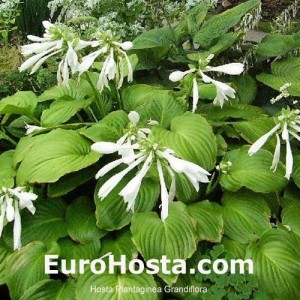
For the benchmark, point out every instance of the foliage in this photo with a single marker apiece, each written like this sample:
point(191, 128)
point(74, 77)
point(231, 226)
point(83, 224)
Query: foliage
point(190, 185)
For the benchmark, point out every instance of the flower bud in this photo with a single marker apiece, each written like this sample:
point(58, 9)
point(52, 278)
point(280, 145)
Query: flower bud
point(126, 45)
point(134, 117)
point(176, 76)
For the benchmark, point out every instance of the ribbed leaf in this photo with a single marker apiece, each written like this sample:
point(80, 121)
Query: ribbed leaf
point(49, 289)
point(219, 24)
point(277, 264)
point(246, 216)
point(191, 137)
point(174, 237)
point(296, 171)
point(153, 102)
point(54, 155)
point(5, 251)
point(21, 103)
point(47, 224)
point(290, 217)
point(7, 171)
point(26, 267)
point(111, 213)
point(208, 218)
point(84, 229)
point(284, 71)
point(253, 172)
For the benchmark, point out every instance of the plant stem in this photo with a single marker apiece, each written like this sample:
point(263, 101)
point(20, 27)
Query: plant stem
point(99, 102)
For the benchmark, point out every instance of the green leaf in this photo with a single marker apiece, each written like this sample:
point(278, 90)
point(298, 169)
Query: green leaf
point(70, 182)
point(111, 283)
point(253, 172)
point(111, 212)
point(47, 224)
point(54, 155)
point(62, 110)
point(154, 38)
point(174, 238)
point(192, 138)
point(284, 71)
point(235, 248)
point(219, 24)
point(73, 251)
point(252, 130)
point(276, 261)
point(208, 220)
point(296, 171)
point(290, 217)
point(7, 171)
point(152, 102)
point(277, 45)
point(5, 252)
point(230, 111)
point(245, 83)
point(50, 289)
point(21, 103)
point(26, 267)
point(109, 129)
point(246, 216)
point(119, 245)
point(84, 229)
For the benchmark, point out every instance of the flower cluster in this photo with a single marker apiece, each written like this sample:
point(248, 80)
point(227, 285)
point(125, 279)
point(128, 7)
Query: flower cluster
point(136, 148)
point(223, 90)
point(61, 40)
point(288, 125)
point(12, 200)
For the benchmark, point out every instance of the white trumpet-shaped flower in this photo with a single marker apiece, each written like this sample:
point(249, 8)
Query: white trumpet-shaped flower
point(32, 128)
point(113, 52)
point(288, 127)
point(57, 40)
point(12, 200)
point(223, 90)
point(147, 153)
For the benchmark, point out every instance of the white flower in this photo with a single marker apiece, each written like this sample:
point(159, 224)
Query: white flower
point(149, 153)
point(57, 39)
point(111, 68)
point(288, 125)
point(32, 128)
point(223, 90)
point(12, 200)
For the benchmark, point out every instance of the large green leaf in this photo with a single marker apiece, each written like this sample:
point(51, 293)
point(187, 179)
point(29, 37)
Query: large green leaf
point(84, 229)
point(246, 216)
point(290, 217)
point(253, 172)
point(7, 170)
point(276, 261)
point(26, 267)
point(252, 130)
point(208, 220)
point(50, 289)
point(296, 171)
point(230, 111)
point(109, 129)
point(219, 24)
point(111, 213)
point(277, 45)
point(153, 102)
point(47, 224)
point(243, 83)
point(73, 251)
point(115, 287)
point(21, 103)
point(174, 238)
point(119, 245)
point(284, 71)
point(5, 251)
point(54, 155)
point(192, 138)
point(154, 38)
point(62, 110)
